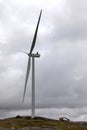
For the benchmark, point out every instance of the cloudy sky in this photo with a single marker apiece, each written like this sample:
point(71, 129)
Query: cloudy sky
point(61, 71)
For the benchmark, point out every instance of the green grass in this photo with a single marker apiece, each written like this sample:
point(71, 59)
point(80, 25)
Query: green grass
point(23, 122)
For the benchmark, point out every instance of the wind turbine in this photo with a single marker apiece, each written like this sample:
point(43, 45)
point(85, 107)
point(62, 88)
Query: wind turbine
point(32, 56)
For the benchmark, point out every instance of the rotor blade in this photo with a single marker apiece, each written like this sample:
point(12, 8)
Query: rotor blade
point(24, 52)
point(35, 34)
point(27, 75)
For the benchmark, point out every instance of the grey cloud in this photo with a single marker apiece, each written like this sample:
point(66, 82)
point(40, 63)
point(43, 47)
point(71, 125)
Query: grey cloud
point(71, 24)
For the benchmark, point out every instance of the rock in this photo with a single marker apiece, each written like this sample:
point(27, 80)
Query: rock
point(18, 116)
point(64, 119)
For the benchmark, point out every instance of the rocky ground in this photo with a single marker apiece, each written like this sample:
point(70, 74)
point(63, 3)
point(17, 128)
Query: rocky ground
point(40, 123)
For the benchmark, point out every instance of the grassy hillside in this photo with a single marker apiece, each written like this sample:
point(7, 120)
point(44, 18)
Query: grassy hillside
point(20, 122)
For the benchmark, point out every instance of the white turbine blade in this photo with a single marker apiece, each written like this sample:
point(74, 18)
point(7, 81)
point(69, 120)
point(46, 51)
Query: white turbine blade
point(27, 75)
point(35, 34)
point(24, 52)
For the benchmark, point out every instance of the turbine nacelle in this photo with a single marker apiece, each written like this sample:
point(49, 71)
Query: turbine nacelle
point(34, 55)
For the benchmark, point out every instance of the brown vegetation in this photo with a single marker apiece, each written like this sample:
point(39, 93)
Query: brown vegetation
point(40, 123)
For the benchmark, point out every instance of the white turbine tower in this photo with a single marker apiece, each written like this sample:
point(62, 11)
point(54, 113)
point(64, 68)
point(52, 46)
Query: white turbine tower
point(32, 56)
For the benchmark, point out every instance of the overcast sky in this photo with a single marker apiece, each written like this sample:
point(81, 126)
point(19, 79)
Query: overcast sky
point(61, 71)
